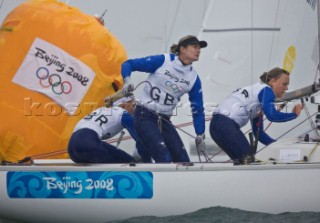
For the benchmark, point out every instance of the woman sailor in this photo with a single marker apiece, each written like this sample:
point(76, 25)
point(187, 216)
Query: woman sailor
point(171, 76)
point(246, 103)
point(86, 144)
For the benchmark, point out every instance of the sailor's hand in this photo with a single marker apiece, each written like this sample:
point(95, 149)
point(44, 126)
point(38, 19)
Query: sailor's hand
point(128, 85)
point(200, 144)
point(108, 101)
point(297, 109)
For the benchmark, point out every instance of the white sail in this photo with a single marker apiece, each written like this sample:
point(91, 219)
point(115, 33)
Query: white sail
point(246, 38)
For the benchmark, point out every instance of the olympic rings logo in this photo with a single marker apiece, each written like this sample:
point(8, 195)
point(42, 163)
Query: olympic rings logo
point(175, 88)
point(54, 81)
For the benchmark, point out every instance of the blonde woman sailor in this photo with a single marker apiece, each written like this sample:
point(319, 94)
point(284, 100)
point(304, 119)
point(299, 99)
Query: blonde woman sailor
point(170, 77)
point(250, 103)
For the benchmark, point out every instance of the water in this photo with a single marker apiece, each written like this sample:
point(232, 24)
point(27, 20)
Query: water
point(223, 215)
point(229, 215)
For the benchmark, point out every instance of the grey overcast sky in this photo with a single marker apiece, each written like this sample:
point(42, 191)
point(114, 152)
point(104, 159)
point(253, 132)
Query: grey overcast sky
point(143, 26)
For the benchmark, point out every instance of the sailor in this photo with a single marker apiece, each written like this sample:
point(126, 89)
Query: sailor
point(87, 144)
point(171, 76)
point(250, 103)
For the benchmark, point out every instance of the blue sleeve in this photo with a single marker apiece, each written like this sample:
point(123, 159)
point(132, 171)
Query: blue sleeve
point(267, 99)
point(147, 64)
point(127, 122)
point(196, 100)
point(263, 136)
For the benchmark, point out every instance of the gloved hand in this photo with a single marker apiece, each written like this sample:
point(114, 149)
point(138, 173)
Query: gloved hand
point(128, 85)
point(110, 99)
point(200, 144)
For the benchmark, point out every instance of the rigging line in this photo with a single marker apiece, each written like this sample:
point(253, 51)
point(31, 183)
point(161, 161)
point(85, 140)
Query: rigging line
point(252, 143)
point(318, 14)
point(162, 119)
point(313, 150)
point(113, 140)
point(241, 29)
point(269, 59)
point(176, 126)
point(289, 130)
point(157, 113)
point(1, 4)
point(187, 133)
point(168, 37)
point(279, 108)
point(108, 141)
point(120, 138)
point(273, 34)
point(296, 125)
point(205, 18)
point(314, 128)
point(251, 42)
point(317, 73)
point(62, 151)
point(213, 155)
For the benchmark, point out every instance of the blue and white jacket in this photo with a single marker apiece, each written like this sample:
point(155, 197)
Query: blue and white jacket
point(108, 122)
point(168, 81)
point(247, 103)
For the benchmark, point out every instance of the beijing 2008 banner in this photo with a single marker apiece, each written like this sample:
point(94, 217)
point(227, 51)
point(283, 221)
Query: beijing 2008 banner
point(79, 185)
point(55, 73)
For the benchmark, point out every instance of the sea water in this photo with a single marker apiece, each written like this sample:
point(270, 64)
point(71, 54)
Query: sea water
point(222, 215)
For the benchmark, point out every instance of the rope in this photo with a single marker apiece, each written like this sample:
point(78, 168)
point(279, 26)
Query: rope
point(114, 140)
point(177, 127)
point(1, 4)
point(313, 150)
point(120, 138)
point(314, 128)
point(300, 123)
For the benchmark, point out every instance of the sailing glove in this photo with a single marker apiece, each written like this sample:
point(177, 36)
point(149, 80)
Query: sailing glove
point(128, 85)
point(200, 144)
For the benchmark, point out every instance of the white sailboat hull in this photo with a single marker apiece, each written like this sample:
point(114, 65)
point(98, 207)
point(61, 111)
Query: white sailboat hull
point(176, 189)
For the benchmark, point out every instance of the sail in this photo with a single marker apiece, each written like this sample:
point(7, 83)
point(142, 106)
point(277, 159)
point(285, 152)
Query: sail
point(248, 37)
point(57, 64)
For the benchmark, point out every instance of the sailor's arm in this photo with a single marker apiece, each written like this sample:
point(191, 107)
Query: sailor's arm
point(196, 100)
point(267, 100)
point(147, 64)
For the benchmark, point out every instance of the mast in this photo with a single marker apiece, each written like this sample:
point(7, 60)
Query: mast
point(205, 19)
point(318, 14)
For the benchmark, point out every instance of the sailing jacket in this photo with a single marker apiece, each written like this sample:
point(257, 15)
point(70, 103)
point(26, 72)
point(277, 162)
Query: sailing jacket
point(250, 103)
point(107, 122)
point(168, 80)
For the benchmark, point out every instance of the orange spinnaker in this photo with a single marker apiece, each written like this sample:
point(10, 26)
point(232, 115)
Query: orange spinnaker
point(31, 122)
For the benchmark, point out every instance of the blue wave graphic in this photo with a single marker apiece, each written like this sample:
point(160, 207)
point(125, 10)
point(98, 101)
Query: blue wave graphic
point(90, 185)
